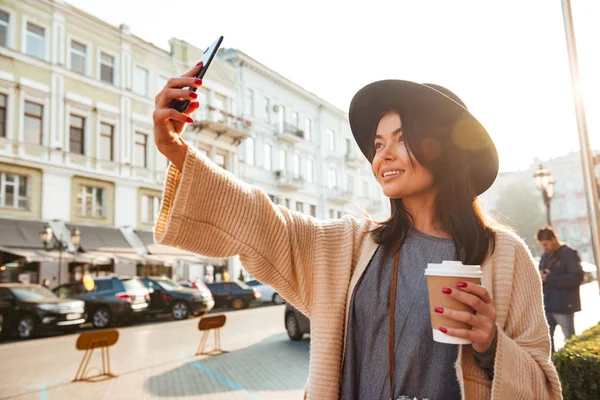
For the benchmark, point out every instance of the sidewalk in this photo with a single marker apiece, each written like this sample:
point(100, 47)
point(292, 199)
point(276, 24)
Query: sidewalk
point(589, 314)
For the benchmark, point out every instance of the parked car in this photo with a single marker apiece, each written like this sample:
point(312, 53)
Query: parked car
point(590, 273)
point(267, 293)
point(27, 310)
point(296, 323)
point(168, 296)
point(112, 300)
point(236, 294)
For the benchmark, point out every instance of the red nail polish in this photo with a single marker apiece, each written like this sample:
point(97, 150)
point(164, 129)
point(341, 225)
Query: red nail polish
point(199, 63)
point(190, 120)
point(462, 284)
point(446, 290)
point(198, 81)
point(439, 310)
point(443, 330)
point(193, 95)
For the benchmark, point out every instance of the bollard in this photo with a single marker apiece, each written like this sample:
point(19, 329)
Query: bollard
point(89, 341)
point(207, 324)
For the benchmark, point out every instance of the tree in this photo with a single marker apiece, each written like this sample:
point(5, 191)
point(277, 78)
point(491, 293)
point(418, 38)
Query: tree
point(520, 207)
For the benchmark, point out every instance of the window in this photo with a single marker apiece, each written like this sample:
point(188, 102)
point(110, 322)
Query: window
point(36, 41)
point(295, 119)
point(267, 109)
point(76, 134)
point(161, 82)
point(348, 146)
point(307, 127)
point(365, 189)
point(267, 157)
point(281, 119)
point(313, 210)
point(4, 24)
point(250, 151)
point(332, 178)
point(219, 103)
point(350, 184)
point(310, 171)
point(221, 160)
point(32, 131)
point(249, 102)
point(150, 208)
point(299, 206)
point(296, 166)
point(106, 141)
point(140, 153)
point(287, 203)
point(90, 202)
point(140, 84)
point(331, 139)
point(107, 68)
point(78, 57)
point(14, 191)
point(3, 101)
point(282, 160)
point(339, 214)
point(331, 214)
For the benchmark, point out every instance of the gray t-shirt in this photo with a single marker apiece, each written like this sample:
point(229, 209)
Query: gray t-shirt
point(423, 368)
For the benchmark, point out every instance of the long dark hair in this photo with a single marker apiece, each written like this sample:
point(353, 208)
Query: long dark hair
point(430, 141)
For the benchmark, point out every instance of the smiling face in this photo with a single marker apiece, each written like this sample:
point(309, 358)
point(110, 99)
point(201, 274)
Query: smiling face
point(398, 172)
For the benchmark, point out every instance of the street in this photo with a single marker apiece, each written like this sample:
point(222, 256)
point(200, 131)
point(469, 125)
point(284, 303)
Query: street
point(156, 360)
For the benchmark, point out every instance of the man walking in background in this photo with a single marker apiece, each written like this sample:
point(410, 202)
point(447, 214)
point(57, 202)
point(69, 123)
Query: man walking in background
point(561, 271)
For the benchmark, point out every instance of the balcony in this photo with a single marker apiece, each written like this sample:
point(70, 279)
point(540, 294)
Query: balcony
point(337, 195)
point(221, 122)
point(288, 182)
point(354, 160)
point(289, 133)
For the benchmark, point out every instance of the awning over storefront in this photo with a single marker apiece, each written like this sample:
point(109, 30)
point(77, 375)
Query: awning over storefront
point(171, 255)
point(20, 239)
point(103, 245)
point(12, 254)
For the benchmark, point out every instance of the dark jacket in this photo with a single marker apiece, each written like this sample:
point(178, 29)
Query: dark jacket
point(565, 274)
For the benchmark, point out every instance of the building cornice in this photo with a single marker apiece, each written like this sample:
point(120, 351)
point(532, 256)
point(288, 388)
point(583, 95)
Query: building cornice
point(242, 59)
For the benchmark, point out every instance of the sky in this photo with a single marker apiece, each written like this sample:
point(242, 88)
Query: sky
point(506, 59)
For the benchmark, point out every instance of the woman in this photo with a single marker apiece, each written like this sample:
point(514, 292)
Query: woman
point(431, 158)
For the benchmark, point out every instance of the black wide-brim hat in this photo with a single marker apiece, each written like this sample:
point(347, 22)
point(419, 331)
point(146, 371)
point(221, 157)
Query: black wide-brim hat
point(467, 133)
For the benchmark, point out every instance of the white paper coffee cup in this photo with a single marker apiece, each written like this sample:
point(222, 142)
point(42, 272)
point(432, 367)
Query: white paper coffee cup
point(448, 274)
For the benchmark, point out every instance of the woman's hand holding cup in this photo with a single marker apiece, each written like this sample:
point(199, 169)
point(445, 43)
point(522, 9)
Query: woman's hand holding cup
point(170, 123)
point(482, 323)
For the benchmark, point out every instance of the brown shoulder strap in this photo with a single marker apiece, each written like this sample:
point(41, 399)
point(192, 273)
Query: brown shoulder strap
point(391, 358)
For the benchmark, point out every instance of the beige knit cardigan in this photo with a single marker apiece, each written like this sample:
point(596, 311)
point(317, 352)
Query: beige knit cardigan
point(316, 264)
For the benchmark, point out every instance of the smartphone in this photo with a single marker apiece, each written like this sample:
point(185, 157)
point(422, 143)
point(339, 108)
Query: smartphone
point(207, 57)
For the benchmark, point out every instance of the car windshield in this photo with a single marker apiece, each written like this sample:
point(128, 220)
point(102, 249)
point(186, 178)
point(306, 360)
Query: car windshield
point(33, 293)
point(133, 284)
point(202, 285)
point(168, 284)
point(253, 282)
point(243, 285)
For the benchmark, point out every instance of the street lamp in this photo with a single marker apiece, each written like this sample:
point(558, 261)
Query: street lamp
point(46, 236)
point(545, 184)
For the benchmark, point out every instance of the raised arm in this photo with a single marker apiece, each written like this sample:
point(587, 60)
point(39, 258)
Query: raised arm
point(209, 211)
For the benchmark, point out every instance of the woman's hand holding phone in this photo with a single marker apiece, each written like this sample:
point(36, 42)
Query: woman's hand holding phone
point(170, 123)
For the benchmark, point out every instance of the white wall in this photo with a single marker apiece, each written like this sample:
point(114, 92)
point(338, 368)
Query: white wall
point(125, 269)
point(126, 205)
point(56, 196)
